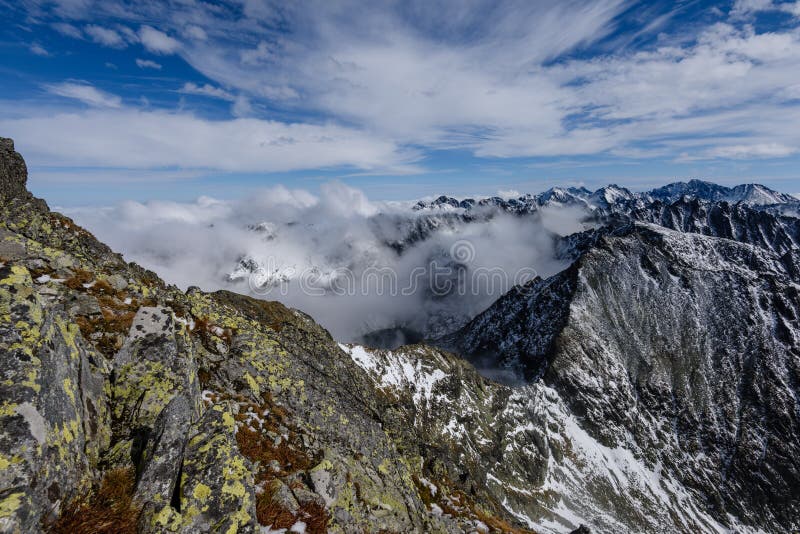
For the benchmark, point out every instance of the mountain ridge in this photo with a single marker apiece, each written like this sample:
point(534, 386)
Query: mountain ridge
point(751, 194)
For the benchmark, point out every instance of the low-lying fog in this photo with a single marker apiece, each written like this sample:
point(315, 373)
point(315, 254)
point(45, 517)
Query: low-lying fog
point(357, 266)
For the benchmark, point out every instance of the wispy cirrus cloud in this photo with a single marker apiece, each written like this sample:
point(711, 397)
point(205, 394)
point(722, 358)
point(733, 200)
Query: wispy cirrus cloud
point(86, 93)
point(67, 29)
point(38, 50)
point(487, 82)
point(147, 64)
point(748, 8)
point(509, 79)
point(208, 90)
point(105, 36)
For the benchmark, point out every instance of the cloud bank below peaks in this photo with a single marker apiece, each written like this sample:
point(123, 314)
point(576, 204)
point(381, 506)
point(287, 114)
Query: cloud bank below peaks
point(264, 244)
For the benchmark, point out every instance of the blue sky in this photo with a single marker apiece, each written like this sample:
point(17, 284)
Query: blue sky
point(119, 100)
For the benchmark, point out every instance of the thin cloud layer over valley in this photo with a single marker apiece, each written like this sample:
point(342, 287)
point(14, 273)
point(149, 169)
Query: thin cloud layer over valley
point(355, 265)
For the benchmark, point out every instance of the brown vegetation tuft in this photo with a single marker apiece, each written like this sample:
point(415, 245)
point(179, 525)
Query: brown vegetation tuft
point(207, 331)
point(260, 448)
point(271, 513)
point(111, 510)
point(77, 280)
point(315, 516)
point(102, 287)
point(106, 331)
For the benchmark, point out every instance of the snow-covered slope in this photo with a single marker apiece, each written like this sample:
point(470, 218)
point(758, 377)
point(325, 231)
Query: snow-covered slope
point(682, 350)
point(750, 194)
point(739, 222)
point(525, 448)
point(615, 198)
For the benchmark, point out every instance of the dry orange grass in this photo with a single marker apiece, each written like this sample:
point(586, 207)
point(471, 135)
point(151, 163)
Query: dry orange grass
point(111, 510)
point(271, 513)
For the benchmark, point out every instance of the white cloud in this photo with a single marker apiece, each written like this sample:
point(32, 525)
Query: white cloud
point(742, 8)
point(748, 8)
point(206, 90)
point(259, 54)
point(73, 8)
point(195, 32)
point(496, 96)
point(763, 150)
point(440, 76)
point(147, 64)
point(508, 193)
point(341, 230)
point(39, 50)
point(104, 176)
point(241, 107)
point(85, 93)
point(155, 139)
point(792, 7)
point(157, 41)
point(105, 36)
point(67, 29)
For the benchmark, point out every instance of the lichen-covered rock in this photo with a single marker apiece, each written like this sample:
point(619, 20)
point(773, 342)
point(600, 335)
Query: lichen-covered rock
point(284, 496)
point(217, 488)
point(149, 370)
point(54, 419)
point(163, 456)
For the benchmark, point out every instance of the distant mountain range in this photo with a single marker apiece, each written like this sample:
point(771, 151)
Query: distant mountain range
point(750, 213)
point(614, 197)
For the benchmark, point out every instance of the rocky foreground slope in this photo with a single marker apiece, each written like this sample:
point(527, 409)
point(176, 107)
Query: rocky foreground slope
point(662, 397)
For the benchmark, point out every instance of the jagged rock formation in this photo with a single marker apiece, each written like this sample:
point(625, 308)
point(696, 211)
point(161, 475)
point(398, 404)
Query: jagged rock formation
point(680, 348)
point(613, 198)
point(739, 222)
point(749, 194)
point(13, 172)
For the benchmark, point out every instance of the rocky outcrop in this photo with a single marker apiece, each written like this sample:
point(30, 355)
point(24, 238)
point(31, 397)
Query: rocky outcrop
point(13, 172)
point(162, 458)
point(738, 222)
point(55, 414)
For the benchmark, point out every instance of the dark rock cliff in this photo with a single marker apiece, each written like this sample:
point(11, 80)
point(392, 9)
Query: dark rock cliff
point(13, 172)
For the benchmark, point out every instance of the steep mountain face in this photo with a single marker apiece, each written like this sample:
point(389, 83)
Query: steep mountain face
point(739, 222)
point(680, 348)
point(613, 198)
point(750, 194)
